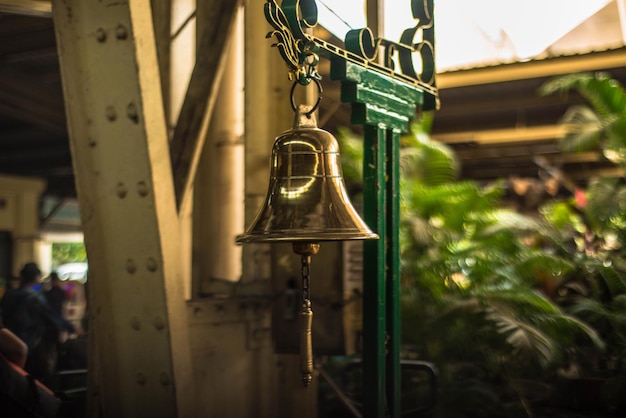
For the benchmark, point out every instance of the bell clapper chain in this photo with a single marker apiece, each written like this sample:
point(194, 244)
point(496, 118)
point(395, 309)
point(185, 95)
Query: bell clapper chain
point(306, 250)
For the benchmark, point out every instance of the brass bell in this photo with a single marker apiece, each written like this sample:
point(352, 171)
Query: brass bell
point(306, 203)
point(306, 200)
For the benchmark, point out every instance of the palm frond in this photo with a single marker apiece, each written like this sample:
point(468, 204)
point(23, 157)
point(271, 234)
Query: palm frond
point(605, 94)
point(517, 301)
point(603, 202)
point(584, 130)
point(430, 162)
point(351, 155)
point(613, 281)
point(590, 309)
point(528, 342)
point(506, 220)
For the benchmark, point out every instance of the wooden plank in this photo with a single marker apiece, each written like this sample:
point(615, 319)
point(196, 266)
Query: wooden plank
point(192, 125)
point(40, 8)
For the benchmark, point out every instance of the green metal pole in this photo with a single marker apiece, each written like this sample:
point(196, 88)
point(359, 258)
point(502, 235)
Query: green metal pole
point(393, 271)
point(374, 290)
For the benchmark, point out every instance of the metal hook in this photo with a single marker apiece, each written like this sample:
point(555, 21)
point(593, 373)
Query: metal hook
point(319, 96)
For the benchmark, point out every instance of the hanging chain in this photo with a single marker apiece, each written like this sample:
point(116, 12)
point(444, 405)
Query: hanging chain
point(306, 317)
point(306, 279)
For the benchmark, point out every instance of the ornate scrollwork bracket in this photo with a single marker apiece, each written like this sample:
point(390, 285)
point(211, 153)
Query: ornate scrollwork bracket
point(300, 50)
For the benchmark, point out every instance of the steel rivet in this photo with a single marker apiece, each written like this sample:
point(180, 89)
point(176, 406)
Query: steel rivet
point(152, 264)
point(159, 324)
point(142, 189)
point(141, 379)
point(111, 114)
point(165, 379)
point(121, 32)
point(134, 322)
point(101, 35)
point(121, 190)
point(131, 112)
point(131, 267)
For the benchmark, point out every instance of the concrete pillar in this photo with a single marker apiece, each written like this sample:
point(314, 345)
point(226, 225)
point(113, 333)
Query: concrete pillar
point(19, 214)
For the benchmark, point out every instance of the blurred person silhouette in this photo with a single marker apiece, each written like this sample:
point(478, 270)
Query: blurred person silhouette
point(56, 295)
point(27, 313)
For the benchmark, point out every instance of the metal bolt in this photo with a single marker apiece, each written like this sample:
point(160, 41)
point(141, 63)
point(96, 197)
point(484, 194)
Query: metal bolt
point(121, 190)
point(131, 112)
point(121, 32)
point(101, 35)
point(111, 114)
point(131, 267)
point(152, 264)
point(159, 324)
point(142, 189)
point(141, 379)
point(164, 378)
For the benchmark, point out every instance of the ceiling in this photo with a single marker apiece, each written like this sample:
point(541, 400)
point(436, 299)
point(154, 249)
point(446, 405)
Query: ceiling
point(33, 134)
point(492, 116)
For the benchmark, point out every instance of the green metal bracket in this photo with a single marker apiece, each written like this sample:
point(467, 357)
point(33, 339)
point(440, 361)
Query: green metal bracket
point(384, 100)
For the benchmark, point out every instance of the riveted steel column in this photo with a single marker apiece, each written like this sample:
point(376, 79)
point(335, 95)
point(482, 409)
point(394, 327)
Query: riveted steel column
point(139, 359)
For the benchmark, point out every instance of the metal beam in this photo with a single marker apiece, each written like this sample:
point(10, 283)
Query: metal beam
point(139, 355)
point(536, 68)
point(192, 125)
point(496, 136)
point(41, 8)
point(162, 17)
point(26, 99)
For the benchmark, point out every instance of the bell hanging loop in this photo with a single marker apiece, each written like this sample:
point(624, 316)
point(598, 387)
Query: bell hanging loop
point(315, 106)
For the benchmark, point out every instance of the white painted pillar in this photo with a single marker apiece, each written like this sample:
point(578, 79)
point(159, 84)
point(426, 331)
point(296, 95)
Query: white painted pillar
point(19, 206)
point(219, 186)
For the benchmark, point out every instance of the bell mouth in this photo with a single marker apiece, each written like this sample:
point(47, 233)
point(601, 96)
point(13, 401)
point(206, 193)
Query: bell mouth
point(306, 201)
point(290, 235)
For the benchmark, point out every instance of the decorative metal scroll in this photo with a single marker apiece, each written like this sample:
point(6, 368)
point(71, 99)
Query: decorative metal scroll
point(297, 47)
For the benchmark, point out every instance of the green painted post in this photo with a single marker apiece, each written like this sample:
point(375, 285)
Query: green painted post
point(393, 273)
point(384, 106)
point(374, 290)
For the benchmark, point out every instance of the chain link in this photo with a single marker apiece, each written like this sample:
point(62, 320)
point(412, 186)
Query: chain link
point(306, 278)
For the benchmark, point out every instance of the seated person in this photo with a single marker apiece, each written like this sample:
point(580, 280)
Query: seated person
point(12, 348)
